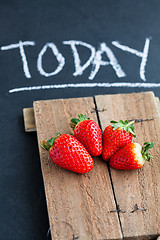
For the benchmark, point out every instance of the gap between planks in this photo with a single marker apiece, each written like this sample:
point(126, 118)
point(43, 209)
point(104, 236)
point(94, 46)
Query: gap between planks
point(137, 187)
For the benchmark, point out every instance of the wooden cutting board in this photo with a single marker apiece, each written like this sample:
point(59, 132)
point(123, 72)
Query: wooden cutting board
point(83, 206)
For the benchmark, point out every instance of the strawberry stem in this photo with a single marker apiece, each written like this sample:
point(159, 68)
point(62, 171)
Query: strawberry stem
point(127, 126)
point(130, 123)
point(49, 143)
point(75, 121)
point(146, 146)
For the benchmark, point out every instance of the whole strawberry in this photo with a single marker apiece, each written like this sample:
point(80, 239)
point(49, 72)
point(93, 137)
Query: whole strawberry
point(67, 152)
point(116, 136)
point(88, 133)
point(131, 156)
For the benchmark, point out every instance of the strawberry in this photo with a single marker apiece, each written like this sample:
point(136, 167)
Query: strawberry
point(116, 136)
point(67, 152)
point(88, 133)
point(131, 156)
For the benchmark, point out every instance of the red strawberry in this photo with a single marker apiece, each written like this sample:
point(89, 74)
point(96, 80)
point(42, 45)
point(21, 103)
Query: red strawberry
point(88, 133)
point(116, 136)
point(131, 156)
point(67, 152)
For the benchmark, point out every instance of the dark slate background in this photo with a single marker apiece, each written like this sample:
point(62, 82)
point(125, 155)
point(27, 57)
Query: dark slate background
point(23, 211)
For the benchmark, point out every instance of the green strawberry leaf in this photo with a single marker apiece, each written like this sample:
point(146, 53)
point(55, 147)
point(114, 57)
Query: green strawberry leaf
point(127, 126)
point(125, 122)
point(121, 121)
point(49, 143)
point(116, 125)
point(75, 121)
point(132, 132)
point(113, 121)
point(148, 145)
point(145, 148)
point(44, 144)
point(82, 117)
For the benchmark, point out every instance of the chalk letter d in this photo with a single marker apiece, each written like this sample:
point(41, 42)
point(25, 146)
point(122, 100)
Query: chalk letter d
point(78, 68)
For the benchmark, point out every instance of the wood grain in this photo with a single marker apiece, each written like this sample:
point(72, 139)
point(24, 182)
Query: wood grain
point(29, 120)
point(78, 205)
point(142, 186)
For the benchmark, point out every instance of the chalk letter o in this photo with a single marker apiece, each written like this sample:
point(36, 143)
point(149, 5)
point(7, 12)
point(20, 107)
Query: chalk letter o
point(60, 59)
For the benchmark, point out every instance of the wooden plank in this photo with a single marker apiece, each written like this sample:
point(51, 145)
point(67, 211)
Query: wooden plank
point(29, 120)
point(78, 205)
point(158, 105)
point(142, 186)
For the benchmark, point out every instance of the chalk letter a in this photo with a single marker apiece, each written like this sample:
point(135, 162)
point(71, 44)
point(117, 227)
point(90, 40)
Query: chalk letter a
point(97, 62)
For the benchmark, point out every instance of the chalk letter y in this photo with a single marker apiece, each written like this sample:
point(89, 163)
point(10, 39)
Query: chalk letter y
point(143, 55)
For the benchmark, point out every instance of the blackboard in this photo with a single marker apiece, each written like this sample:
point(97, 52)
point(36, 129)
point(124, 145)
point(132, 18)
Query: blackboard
point(62, 49)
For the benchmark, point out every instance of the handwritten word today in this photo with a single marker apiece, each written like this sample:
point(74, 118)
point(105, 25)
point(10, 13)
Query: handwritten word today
point(95, 60)
point(95, 57)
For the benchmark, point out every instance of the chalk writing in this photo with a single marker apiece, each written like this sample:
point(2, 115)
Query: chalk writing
point(22, 53)
point(143, 55)
point(87, 85)
point(60, 59)
point(78, 68)
point(95, 60)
